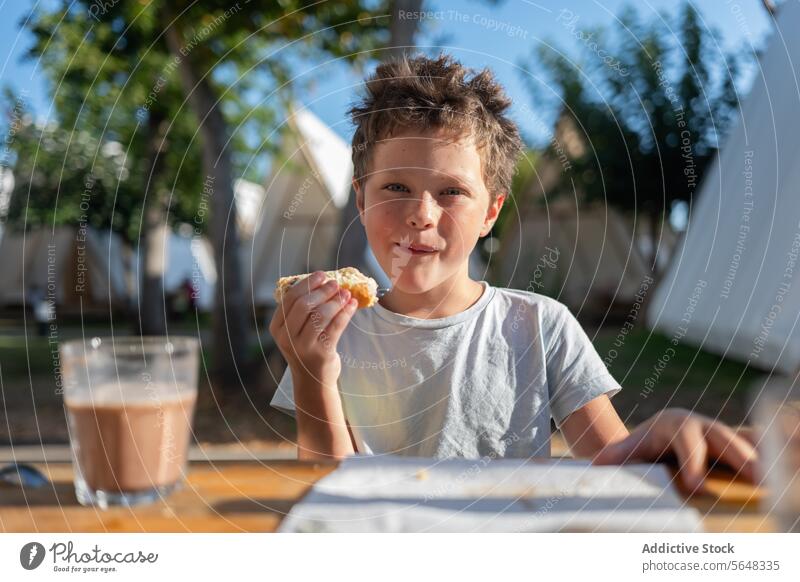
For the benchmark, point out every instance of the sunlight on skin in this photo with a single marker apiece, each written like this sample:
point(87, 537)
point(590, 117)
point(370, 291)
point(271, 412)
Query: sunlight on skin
point(425, 188)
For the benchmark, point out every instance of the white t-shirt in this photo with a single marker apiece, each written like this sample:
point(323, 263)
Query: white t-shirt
point(482, 382)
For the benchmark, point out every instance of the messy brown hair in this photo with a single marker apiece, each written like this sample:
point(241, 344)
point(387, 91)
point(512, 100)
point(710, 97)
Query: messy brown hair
point(422, 93)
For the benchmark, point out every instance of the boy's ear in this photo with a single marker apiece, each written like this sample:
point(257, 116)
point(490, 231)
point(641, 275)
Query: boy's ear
point(492, 214)
point(359, 200)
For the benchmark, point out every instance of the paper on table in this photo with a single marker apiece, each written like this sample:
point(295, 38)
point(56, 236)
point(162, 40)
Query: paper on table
point(405, 494)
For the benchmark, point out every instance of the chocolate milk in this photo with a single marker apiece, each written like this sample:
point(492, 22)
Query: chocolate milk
point(134, 445)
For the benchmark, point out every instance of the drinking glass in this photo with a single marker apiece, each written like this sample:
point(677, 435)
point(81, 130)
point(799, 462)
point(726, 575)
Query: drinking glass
point(129, 403)
point(777, 423)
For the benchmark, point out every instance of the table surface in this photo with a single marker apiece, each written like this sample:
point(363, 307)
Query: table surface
point(240, 496)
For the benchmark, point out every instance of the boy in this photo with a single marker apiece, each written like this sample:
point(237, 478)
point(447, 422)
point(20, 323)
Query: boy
point(444, 365)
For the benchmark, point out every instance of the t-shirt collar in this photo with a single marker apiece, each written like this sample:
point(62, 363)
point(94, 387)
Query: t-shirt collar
point(467, 314)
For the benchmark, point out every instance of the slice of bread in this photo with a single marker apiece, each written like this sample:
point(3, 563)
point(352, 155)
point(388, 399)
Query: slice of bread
point(361, 287)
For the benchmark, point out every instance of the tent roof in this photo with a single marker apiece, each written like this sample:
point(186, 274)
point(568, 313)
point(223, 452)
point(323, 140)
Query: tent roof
point(595, 245)
point(71, 264)
point(326, 151)
point(732, 286)
point(249, 198)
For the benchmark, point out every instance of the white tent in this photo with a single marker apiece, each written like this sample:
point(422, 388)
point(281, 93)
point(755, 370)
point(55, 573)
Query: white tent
point(298, 223)
point(6, 188)
point(73, 267)
point(732, 286)
point(183, 256)
point(249, 199)
point(583, 257)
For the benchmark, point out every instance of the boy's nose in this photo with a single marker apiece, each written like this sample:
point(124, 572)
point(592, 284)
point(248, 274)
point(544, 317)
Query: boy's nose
point(421, 213)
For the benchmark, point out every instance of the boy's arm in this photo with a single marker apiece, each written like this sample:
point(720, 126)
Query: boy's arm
point(322, 432)
point(592, 427)
point(310, 351)
point(595, 430)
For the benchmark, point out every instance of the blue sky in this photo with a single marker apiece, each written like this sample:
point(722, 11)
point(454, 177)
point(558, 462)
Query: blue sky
point(462, 28)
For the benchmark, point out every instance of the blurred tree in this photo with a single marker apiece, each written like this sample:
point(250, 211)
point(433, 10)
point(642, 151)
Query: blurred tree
point(649, 108)
point(110, 81)
point(185, 89)
point(53, 168)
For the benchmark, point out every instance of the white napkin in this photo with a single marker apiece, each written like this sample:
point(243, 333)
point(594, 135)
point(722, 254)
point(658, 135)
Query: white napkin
point(384, 493)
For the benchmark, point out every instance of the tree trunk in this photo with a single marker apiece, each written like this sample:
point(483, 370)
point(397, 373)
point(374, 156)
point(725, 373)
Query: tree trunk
point(152, 317)
point(352, 235)
point(228, 319)
point(655, 238)
point(403, 30)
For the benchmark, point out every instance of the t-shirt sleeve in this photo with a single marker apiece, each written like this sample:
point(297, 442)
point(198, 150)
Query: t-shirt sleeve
point(283, 399)
point(575, 372)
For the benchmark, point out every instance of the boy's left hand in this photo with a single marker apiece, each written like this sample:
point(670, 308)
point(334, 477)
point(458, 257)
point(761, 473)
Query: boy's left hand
point(693, 438)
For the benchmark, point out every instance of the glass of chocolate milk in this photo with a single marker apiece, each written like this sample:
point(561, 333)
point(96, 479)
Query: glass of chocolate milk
point(129, 404)
point(777, 423)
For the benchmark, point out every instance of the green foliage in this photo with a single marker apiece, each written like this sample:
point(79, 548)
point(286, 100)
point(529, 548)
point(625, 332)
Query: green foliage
point(524, 173)
point(526, 170)
point(113, 79)
point(693, 378)
point(64, 177)
point(650, 109)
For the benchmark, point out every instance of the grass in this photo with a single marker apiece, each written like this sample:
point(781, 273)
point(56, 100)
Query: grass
point(691, 378)
point(632, 365)
point(16, 351)
point(15, 355)
point(654, 374)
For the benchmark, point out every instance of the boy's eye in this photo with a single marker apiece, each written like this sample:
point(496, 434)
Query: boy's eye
point(453, 191)
point(392, 186)
point(447, 191)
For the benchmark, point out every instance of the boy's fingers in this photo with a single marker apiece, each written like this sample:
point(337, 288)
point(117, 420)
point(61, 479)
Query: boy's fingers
point(749, 434)
point(285, 305)
point(341, 319)
point(276, 322)
point(620, 452)
point(298, 318)
point(320, 317)
point(691, 441)
point(610, 455)
point(725, 445)
point(300, 288)
point(278, 319)
point(691, 449)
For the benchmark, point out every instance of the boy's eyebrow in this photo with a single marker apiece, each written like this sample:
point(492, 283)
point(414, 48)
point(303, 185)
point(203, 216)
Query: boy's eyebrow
point(442, 177)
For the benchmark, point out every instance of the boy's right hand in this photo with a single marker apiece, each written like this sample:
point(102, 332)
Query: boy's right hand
point(308, 323)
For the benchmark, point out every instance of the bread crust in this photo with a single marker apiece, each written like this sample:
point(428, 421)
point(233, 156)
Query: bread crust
point(361, 287)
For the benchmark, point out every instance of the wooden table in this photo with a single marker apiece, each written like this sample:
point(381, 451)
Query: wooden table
point(240, 496)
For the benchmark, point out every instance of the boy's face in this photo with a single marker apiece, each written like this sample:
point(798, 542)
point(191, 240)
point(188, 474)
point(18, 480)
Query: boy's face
point(425, 190)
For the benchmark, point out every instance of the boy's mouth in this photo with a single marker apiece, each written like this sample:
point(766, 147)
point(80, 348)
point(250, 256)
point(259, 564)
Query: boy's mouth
point(418, 249)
